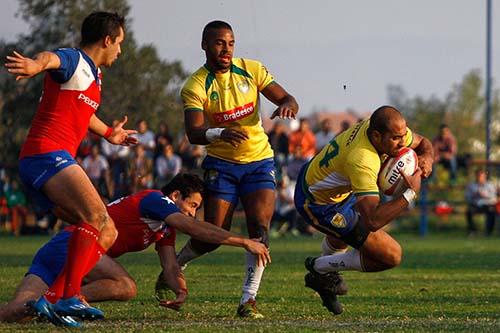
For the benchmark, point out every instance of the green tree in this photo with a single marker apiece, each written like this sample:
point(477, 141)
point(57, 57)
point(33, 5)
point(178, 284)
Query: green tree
point(139, 84)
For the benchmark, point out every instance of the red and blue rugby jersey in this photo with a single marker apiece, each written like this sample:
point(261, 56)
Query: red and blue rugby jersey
point(140, 221)
point(71, 95)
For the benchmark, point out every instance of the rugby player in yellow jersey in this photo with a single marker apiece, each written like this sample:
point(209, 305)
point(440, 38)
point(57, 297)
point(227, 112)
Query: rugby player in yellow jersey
point(337, 193)
point(221, 110)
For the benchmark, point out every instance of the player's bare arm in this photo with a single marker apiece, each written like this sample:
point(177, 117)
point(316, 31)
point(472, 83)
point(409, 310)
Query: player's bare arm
point(116, 135)
point(425, 153)
point(198, 133)
point(173, 276)
point(376, 215)
point(25, 67)
point(287, 105)
point(210, 233)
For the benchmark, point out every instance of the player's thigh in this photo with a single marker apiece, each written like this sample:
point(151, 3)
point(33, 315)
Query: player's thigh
point(259, 207)
point(218, 211)
point(72, 190)
point(107, 268)
point(381, 247)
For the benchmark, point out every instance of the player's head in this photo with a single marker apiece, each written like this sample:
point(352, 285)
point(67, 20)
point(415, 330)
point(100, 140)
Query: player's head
point(218, 43)
point(186, 190)
point(106, 30)
point(387, 130)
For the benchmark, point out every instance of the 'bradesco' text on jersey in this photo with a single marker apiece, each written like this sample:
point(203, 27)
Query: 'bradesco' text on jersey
point(231, 99)
point(71, 95)
point(347, 164)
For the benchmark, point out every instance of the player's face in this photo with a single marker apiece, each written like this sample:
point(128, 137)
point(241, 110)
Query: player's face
point(393, 140)
point(113, 48)
point(190, 204)
point(219, 48)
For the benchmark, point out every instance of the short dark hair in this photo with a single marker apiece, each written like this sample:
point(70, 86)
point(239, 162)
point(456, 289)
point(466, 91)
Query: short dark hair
point(379, 118)
point(185, 183)
point(214, 25)
point(98, 25)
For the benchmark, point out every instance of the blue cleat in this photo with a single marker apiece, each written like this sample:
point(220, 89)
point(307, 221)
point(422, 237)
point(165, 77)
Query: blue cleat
point(45, 310)
point(77, 307)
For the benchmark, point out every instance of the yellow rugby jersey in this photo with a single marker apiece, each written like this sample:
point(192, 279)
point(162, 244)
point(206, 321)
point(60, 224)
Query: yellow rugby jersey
point(231, 99)
point(347, 164)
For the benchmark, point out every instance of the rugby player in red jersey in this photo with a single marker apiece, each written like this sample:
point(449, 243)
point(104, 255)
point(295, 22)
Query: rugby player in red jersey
point(141, 219)
point(71, 96)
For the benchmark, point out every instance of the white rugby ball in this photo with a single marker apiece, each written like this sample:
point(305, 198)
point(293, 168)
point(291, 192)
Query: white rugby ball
point(390, 181)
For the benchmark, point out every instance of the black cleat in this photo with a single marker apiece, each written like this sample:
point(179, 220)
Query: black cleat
point(332, 281)
point(328, 297)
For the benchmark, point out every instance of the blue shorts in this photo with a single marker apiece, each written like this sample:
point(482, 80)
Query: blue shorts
point(336, 219)
point(36, 170)
point(50, 259)
point(230, 181)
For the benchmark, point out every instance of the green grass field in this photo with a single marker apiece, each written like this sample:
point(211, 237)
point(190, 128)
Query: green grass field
point(446, 283)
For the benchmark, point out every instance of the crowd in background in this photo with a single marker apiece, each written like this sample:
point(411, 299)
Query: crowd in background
point(117, 171)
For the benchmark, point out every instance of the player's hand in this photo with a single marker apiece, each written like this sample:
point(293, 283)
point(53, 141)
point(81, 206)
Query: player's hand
point(234, 136)
point(425, 164)
point(284, 111)
point(177, 303)
point(21, 66)
point(260, 250)
point(415, 181)
point(121, 136)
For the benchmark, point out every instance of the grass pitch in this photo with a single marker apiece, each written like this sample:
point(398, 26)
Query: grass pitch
point(445, 283)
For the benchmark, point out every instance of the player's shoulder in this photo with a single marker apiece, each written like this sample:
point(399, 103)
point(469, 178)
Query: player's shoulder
point(250, 66)
point(198, 77)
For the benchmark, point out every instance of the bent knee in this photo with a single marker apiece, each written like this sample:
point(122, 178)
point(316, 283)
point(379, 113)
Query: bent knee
point(393, 256)
point(127, 289)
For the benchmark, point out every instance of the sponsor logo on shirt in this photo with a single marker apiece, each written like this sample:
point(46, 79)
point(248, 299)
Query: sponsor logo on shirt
point(243, 86)
point(87, 100)
point(235, 114)
point(338, 221)
point(214, 96)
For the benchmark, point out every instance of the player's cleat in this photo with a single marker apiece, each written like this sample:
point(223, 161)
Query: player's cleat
point(332, 281)
point(249, 310)
point(77, 307)
point(42, 308)
point(328, 297)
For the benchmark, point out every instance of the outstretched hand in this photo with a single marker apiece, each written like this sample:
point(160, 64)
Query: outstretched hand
point(121, 136)
point(284, 111)
point(414, 181)
point(234, 136)
point(174, 304)
point(261, 251)
point(22, 66)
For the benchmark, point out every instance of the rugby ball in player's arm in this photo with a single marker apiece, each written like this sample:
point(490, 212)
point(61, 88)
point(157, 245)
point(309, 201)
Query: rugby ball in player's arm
point(390, 181)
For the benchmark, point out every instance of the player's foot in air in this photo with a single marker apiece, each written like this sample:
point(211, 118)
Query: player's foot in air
point(249, 310)
point(77, 307)
point(332, 280)
point(328, 286)
point(42, 308)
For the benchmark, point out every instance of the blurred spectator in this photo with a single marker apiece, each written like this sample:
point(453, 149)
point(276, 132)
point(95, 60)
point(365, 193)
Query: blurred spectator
point(191, 155)
point(325, 134)
point(344, 125)
point(140, 170)
point(304, 138)
point(145, 137)
point(278, 139)
point(97, 168)
point(167, 166)
point(86, 145)
point(284, 210)
point(117, 156)
point(295, 164)
point(16, 201)
point(162, 138)
point(481, 198)
point(445, 151)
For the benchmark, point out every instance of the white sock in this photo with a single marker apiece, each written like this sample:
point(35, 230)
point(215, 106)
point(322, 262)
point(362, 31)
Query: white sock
point(187, 254)
point(327, 248)
point(252, 279)
point(348, 261)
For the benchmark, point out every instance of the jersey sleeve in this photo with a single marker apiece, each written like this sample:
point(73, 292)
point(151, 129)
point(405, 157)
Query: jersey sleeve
point(363, 176)
point(193, 96)
point(69, 61)
point(156, 206)
point(169, 240)
point(262, 76)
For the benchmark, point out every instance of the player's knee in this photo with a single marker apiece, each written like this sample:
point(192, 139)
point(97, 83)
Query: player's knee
point(127, 289)
point(394, 256)
point(98, 219)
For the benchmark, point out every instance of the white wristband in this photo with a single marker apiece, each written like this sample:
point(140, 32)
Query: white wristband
point(213, 134)
point(409, 195)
